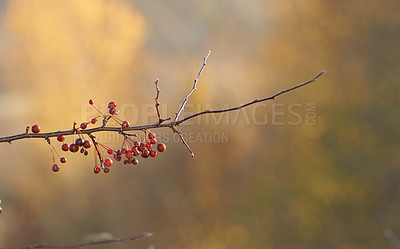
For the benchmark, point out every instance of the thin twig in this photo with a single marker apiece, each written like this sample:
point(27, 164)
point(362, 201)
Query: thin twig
point(160, 120)
point(252, 102)
point(91, 243)
point(183, 139)
point(194, 86)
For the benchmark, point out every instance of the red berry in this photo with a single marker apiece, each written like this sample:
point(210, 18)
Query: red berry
point(108, 162)
point(161, 147)
point(60, 138)
point(118, 152)
point(93, 121)
point(55, 168)
point(79, 141)
point(112, 110)
point(91, 101)
point(73, 147)
point(83, 126)
point(137, 144)
point(129, 154)
point(123, 151)
point(86, 153)
point(135, 151)
point(153, 153)
point(110, 151)
point(36, 129)
point(65, 147)
point(117, 158)
point(148, 145)
point(96, 169)
point(106, 170)
point(145, 154)
point(151, 135)
point(135, 161)
point(1, 210)
point(153, 141)
point(87, 144)
point(63, 160)
point(112, 104)
point(125, 123)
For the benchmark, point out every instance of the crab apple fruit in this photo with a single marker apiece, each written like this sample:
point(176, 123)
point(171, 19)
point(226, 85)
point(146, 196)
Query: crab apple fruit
point(110, 151)
point(91, 101)
point(55, 167)
point(112, 110)
point(129, 154)
point(123, 150)
point(60, 138)
point(151, 135)
point(125, 123)
point(93, 121)
point(83, 126)
point(135, 161)
point(87, 144)
point(65, 147)
point(145, 153)
point(73, 147)
point(108, 162)
point(117, 157)
point(106, 170)
point(148, 145)
point(63, 160)
point(153, 141)
point(153, 153)
point(79, 141)
point(36, 128)
point(135, 151)
point(112, 104)
point(96, 169)
point(1, 210)
point(161, 147)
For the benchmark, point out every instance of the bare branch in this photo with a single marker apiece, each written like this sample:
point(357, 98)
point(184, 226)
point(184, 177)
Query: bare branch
point(183, 139)
point(160, 120)
point(171, 124)
point(194, 86)
point(91, 243)
point(252, 102)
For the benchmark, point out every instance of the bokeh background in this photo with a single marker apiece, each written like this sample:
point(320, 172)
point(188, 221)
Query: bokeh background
point(316, 168)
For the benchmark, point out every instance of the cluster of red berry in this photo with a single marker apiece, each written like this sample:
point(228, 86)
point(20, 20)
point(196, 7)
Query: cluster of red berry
point(129, 149)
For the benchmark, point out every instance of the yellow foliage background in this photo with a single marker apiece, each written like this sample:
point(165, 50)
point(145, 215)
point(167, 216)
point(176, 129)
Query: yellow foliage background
point(276, 182)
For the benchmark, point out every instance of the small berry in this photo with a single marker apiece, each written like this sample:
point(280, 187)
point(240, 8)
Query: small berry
point(153, 153)
point(36, 128)
point(117, 158)
point(142, 147)
point(135, 161)
point(161, 147)
point(87, 144)
point(63, 160)
point(55, 168)
point(118, 152)
point(123, 150)
point(148, 145)
point(136, 143)
point(108, 162)
point(125, 123)
point(106, 170)
point(96, 169)
point(145, 154)
point(112, 104)
point(135, 151)
point(110, 151)
point(73, 147)
point(86, 153)
point(83, 150)
point(126, 161)
point(91, 101)
point(153, 141)
point(93, 121)
point(129, 154)
point(60, 138)
point(65, 147)
point(83, 126)
point(1, 210)
point(151, 135)
point(112, 110)
point(79, 141)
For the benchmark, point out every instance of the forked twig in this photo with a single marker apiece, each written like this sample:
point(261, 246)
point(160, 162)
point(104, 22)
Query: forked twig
point(160, 120)
point(183, 139)
point(91, 243)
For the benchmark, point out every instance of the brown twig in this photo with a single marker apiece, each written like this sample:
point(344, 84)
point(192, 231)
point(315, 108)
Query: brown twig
point(183, 139)
point(193, 88)
point(160, 120)
point(91, 243)
point(252, 102)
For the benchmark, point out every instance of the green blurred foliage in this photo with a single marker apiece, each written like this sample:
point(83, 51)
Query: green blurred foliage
point(279, 181)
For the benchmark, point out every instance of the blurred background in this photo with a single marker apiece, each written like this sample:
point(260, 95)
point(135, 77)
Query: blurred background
point(316, 168)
